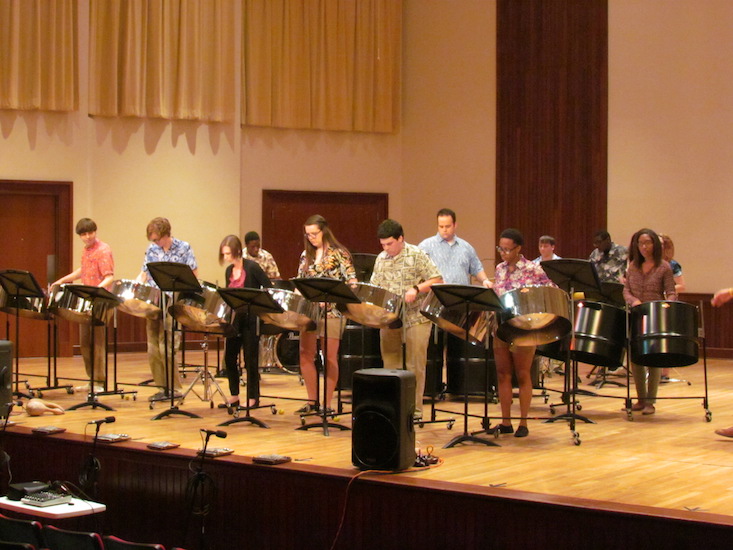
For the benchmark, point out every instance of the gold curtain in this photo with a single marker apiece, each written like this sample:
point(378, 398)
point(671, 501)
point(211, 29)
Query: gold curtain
point(38, 55)
point(322, 64)
point(171, 59)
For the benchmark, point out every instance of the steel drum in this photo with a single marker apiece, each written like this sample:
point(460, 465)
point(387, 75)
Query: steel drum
point(664, 334)
point(65, 304)
point(298, 314)
point(600, 334)
point(378, 308)
point(534, 315)
point(455, 320)
point(138, 299)
point(24, 306)
point(203, 311)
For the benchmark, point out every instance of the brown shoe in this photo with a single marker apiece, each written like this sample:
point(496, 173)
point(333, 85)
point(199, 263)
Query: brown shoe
point(725, 432)
point(648, 409)
point(638, 406)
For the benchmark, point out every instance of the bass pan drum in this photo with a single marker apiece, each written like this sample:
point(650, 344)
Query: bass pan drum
point(534, 315)
point(138, 299)
point(455, 320)
point(378, 308)
point(664, 334)
point(600, 334)
point(23, 306)
point(203, 311)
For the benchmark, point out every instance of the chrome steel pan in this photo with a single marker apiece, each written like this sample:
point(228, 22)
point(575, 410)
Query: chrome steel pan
point(203, 311)
point(138, 299)
point(65, 304)
point(534, 315)
point(664, 334)
point(455, 320)
point(378, 307)
point(298, 314)
point(23, 306)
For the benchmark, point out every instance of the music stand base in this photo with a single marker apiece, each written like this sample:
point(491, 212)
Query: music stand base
point(325, 424)
point(246, 418)
point(467, 437)
point(172, 411)
point(569, 416)
point(93, 403)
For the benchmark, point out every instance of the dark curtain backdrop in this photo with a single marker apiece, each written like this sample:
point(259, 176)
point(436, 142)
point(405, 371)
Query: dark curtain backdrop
point(552, 106)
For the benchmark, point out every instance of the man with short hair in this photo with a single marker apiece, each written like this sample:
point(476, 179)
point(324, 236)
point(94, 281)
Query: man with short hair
point(407, 271)
point(609, 258)
point(162, 248)
point(547, 250)
point(456, 258)
point(96, 269)
point(254, 251)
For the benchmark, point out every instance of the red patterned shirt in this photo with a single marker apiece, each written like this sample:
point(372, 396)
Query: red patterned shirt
point(96, 263)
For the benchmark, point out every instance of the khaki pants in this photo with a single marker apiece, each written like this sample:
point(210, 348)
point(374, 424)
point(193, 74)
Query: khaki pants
point(100, 351)
point(416, 339)
point(156, 333)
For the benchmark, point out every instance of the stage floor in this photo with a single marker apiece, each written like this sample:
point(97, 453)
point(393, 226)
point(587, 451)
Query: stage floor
point(670, 460)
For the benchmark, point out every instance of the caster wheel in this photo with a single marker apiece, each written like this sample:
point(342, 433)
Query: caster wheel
point(579, 407)
point(421, 424)
point(40, 394)
point(450, 425)
point(134, 397)
point(302, 421)
point(273, 409)
point(211, 404)
point(70, 391)
point(150, 406)
point(496, 434)
point(552, 411)
point(576, 440)
point(708, 416)
point(629, 416)
point(547, 398)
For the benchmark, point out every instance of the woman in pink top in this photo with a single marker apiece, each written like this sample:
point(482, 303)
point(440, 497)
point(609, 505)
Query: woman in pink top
point(648, 278)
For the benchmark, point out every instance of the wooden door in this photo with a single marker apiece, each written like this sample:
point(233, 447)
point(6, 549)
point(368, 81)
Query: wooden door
point(353, 218)
point(35, 218)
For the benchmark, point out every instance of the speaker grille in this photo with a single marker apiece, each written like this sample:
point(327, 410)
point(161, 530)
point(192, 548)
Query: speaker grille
point(378, 441)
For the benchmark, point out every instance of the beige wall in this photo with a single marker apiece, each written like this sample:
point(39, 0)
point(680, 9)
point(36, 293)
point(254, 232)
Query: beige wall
point(670, 129)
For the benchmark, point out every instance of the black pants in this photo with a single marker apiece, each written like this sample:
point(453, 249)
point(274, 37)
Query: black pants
point(246, 339)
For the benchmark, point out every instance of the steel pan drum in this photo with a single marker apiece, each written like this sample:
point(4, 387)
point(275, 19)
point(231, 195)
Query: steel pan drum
point(138, 299)
point(378, 307)
point(67, 305)
point(455, 321)
point(600, 334)
point(534, 315)
point(203, 311)
point(23, 306)
point(664, 334)
point(298, 314)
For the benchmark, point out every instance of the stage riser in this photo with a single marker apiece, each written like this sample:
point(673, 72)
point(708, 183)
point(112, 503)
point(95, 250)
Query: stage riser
point(298, 506)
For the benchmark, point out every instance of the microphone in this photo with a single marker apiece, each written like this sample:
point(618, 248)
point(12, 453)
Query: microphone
point(107, 420)
point(218, 433)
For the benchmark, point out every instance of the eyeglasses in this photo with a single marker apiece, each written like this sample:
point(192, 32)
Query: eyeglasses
point(501, 250)
point(646, 243)
point(313, 235)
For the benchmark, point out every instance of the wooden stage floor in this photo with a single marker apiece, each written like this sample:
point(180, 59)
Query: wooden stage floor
point(670, 461)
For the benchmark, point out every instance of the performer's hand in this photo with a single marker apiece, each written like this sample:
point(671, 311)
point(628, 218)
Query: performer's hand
point(722, 296)
point(410, 295)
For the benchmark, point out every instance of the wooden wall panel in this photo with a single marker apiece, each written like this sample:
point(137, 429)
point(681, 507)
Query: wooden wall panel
point(552, 88)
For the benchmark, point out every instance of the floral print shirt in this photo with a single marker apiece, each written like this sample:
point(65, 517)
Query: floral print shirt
point(335, 263)
point(524, 273)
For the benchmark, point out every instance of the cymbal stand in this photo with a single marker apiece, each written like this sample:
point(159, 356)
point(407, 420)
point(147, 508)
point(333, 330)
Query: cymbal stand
point(205, 377)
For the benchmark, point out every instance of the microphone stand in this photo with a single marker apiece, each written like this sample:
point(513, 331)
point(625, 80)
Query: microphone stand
point(201, 490)
point(91, 467)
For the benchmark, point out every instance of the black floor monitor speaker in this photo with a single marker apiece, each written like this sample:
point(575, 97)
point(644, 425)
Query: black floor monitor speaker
point(6, 376)
point(383, 436)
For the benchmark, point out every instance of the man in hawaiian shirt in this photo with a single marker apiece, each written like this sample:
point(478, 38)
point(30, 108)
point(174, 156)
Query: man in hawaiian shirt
point(609, 258)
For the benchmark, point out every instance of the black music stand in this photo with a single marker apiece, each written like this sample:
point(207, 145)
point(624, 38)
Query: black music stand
point(469, 298)
point(572, 275)
point(101, 299)
point(19, 284)
point(324, 290)
point(254, 301)
point(363, 265)
point(172, 277)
